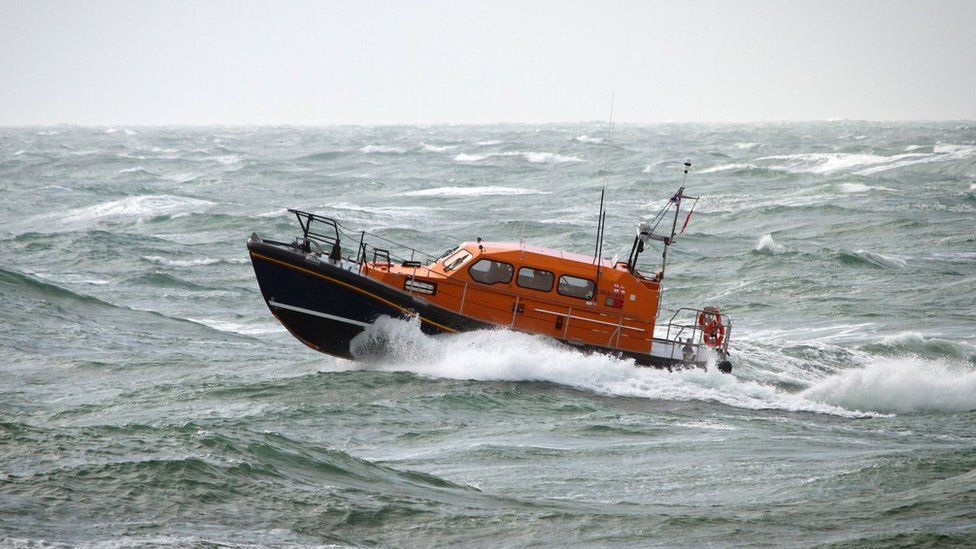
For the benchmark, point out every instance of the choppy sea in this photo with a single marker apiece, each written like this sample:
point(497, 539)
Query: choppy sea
point(148, 397)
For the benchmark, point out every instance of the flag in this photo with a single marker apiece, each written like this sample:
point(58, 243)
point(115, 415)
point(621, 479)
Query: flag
point(687, 218)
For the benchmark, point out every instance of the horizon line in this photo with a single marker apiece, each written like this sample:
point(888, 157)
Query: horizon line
point(497, 123)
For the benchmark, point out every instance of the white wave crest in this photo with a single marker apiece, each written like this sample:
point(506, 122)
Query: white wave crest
point(729, 167)
point(588, 139)
point(191, 262)
point(862, 163)
point(488, 143)
point(138, 206)
point(437, 148)
point(227, 159)
point(472, 191)
point(382, 149)
point(136, 170)
point(851, 188)
point(961, 151)
point(768, 245)
point(900, 385)
point(500, 355)
point(743, 146)
point(237, 327)
point(531, 156)
point(470, 157)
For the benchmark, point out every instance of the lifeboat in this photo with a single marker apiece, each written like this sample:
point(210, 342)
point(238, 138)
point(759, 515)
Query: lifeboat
point(331, 283)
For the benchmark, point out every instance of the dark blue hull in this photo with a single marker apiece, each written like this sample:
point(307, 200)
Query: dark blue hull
point(326, 306)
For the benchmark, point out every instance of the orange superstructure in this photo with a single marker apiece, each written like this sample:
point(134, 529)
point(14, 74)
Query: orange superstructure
point(536, 290)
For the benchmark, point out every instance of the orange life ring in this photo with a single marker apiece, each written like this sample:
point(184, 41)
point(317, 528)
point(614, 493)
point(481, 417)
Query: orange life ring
point(713, 332)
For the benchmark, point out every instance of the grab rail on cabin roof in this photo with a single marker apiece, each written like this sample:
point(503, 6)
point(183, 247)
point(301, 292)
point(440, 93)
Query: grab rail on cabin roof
point(320, 229)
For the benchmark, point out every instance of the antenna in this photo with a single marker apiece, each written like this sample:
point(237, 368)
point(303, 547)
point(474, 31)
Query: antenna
point(602, 217)
point(676, 199)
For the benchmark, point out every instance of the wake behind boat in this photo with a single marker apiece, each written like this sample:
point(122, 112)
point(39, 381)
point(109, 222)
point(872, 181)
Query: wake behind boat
point(326, 296)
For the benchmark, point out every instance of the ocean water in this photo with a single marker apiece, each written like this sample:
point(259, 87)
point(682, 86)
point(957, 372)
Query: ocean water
point(148, 397)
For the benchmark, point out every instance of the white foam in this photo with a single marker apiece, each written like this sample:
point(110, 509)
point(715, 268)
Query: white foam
point(238, 328)
point(191, 262)
point(588, 139)
point(900, 385)
point(827, 163)
point(227, 159)
point(959, 151)
point(500, 355)
point(137, 169)
point(880, 259)
point(472, 191)
point(531, 156)
point(73, 278)
point(743, 146)
point(470, 157)
point(916, 342)
point(488, 143)
point(911, 148)
point(767, 244)
point(437, 148)
point(728, 167)
point(852, 188)
point(972, 186)
point(382, 149)
point(138, 206)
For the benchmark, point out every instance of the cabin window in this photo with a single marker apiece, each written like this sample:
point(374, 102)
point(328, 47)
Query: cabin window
point(535, 279)
point(456, 260)
point(488, 271)
point(576, 287)
point(420, 286)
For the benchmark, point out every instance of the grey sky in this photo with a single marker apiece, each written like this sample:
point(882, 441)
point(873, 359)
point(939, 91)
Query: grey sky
point(469, 62)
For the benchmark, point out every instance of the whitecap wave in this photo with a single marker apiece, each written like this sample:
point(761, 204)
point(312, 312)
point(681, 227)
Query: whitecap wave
point(382, 149)
point(530, 156)
point(227, 159)
point(854, 188)
point(139, 207)
point(501, 355)
point(768, 245)
point(827, 163)
point(159, 260)
point(744, 146)
point(472, 191)
point(437, 148)
point(729, 167)
point(237, 327)
point(899, 385)
point(488, 143)
point(136, 170)
point(588, 139)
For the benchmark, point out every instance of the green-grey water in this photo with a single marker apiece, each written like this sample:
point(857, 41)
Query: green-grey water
point(148, 397)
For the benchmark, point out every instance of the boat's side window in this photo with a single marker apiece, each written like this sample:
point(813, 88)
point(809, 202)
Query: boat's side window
point(488, 271)
point(535, 279)
point(576, 287)
point(456, 260)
